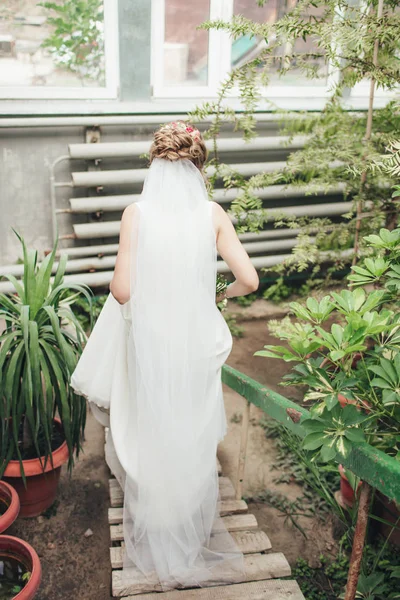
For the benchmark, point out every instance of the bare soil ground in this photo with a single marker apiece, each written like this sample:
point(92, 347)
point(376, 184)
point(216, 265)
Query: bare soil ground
point(75, 566)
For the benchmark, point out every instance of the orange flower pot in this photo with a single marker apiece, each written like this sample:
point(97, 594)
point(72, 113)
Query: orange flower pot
point(9, 499)
point(41, 484)
point(13, 547)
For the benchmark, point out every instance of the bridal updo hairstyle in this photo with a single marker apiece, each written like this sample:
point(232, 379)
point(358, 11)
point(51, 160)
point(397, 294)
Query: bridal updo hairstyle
point(178, 140)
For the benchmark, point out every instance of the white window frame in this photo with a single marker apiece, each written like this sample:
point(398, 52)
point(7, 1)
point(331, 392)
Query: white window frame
point(217, 45)
point(220, 46)
point(109, 91)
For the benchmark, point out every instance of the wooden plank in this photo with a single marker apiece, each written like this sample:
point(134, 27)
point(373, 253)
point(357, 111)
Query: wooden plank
point(252, 542)
point(240, 522)
point(116, 493)
point(257, 567)
point(232, 507)
point(226, 490)
point(231, 522)
point(226, 507)
point(248, 542)
point(271, 589)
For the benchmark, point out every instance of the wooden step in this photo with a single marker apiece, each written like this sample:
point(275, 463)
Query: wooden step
point(226, 490)
point(271, 589)
point(232, 523)
point(248, 542)
point(257, 567)
point(226, 507)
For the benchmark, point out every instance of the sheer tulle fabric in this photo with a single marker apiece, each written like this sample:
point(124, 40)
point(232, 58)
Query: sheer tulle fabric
point(166, 405)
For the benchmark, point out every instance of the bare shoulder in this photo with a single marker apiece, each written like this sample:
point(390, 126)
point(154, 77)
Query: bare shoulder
point(218, 212)
point(128, 215)
point(127, 224)
point(130, 210)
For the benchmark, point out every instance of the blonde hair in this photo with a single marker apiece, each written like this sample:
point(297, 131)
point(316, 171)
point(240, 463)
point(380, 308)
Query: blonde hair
point(178, 140)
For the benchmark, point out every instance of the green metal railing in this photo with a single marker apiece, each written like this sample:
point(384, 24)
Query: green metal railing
point(371, 465)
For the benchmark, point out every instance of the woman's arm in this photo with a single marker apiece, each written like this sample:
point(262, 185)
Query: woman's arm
point(231, 250)
point(120, 285)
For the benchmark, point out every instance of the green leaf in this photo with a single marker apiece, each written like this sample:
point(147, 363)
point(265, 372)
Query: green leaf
point(17, 284)
point(343, 446)
point(313, 425)
point(355, 435)
point(331, 400)
point(336, 355)
point(390, 397)
point(312, 441)
point(381, 383)
point(337, 332)
point(352, 416)
point(327, 453)
point(58, 279)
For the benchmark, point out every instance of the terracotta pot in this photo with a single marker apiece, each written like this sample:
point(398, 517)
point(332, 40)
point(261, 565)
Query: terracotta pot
point(364, 405)
point(9, 497)
point(15, 548)
point(346, 491)
point(41, 485)
point(345, 496)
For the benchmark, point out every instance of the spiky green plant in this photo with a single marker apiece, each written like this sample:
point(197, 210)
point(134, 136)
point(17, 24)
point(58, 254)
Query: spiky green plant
point(39, 348)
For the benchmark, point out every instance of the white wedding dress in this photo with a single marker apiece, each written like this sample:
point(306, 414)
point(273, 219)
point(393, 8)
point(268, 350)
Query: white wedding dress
point(151, 371)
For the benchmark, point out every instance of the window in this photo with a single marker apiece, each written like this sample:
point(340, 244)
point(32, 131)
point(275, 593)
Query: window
point(247, 47)
point(185, 47)
point(189, 63)
point(58, 49)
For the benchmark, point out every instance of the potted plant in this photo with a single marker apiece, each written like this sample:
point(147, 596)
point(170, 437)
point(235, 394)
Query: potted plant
point(352, 368)
point(9, 505)
point(22, 572)
point(42, 419)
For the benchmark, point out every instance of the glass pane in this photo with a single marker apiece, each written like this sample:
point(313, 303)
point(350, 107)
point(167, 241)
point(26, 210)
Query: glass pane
point(56, 44)
point(246, 47)
point(186, 47)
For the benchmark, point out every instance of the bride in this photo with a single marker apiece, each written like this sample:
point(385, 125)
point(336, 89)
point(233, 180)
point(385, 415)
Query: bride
point(151, 369)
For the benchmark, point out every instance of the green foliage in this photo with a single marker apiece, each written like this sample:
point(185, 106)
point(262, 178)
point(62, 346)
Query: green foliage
point(327, 580)
point(246, 300)
point(235, 329)
point(351, 367)
point(88, 310)
point(318, 480)
point(77, 40)
point(39, 349)
point(337, 149)
point(221, 285)
point(278, 291)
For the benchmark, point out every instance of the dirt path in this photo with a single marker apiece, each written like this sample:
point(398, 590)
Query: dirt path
point(75, 566)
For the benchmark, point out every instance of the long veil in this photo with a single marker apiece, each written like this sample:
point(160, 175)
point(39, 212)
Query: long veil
point(168, 435)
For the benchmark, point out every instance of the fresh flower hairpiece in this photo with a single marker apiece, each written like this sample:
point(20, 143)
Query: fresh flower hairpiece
point(195, 133)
